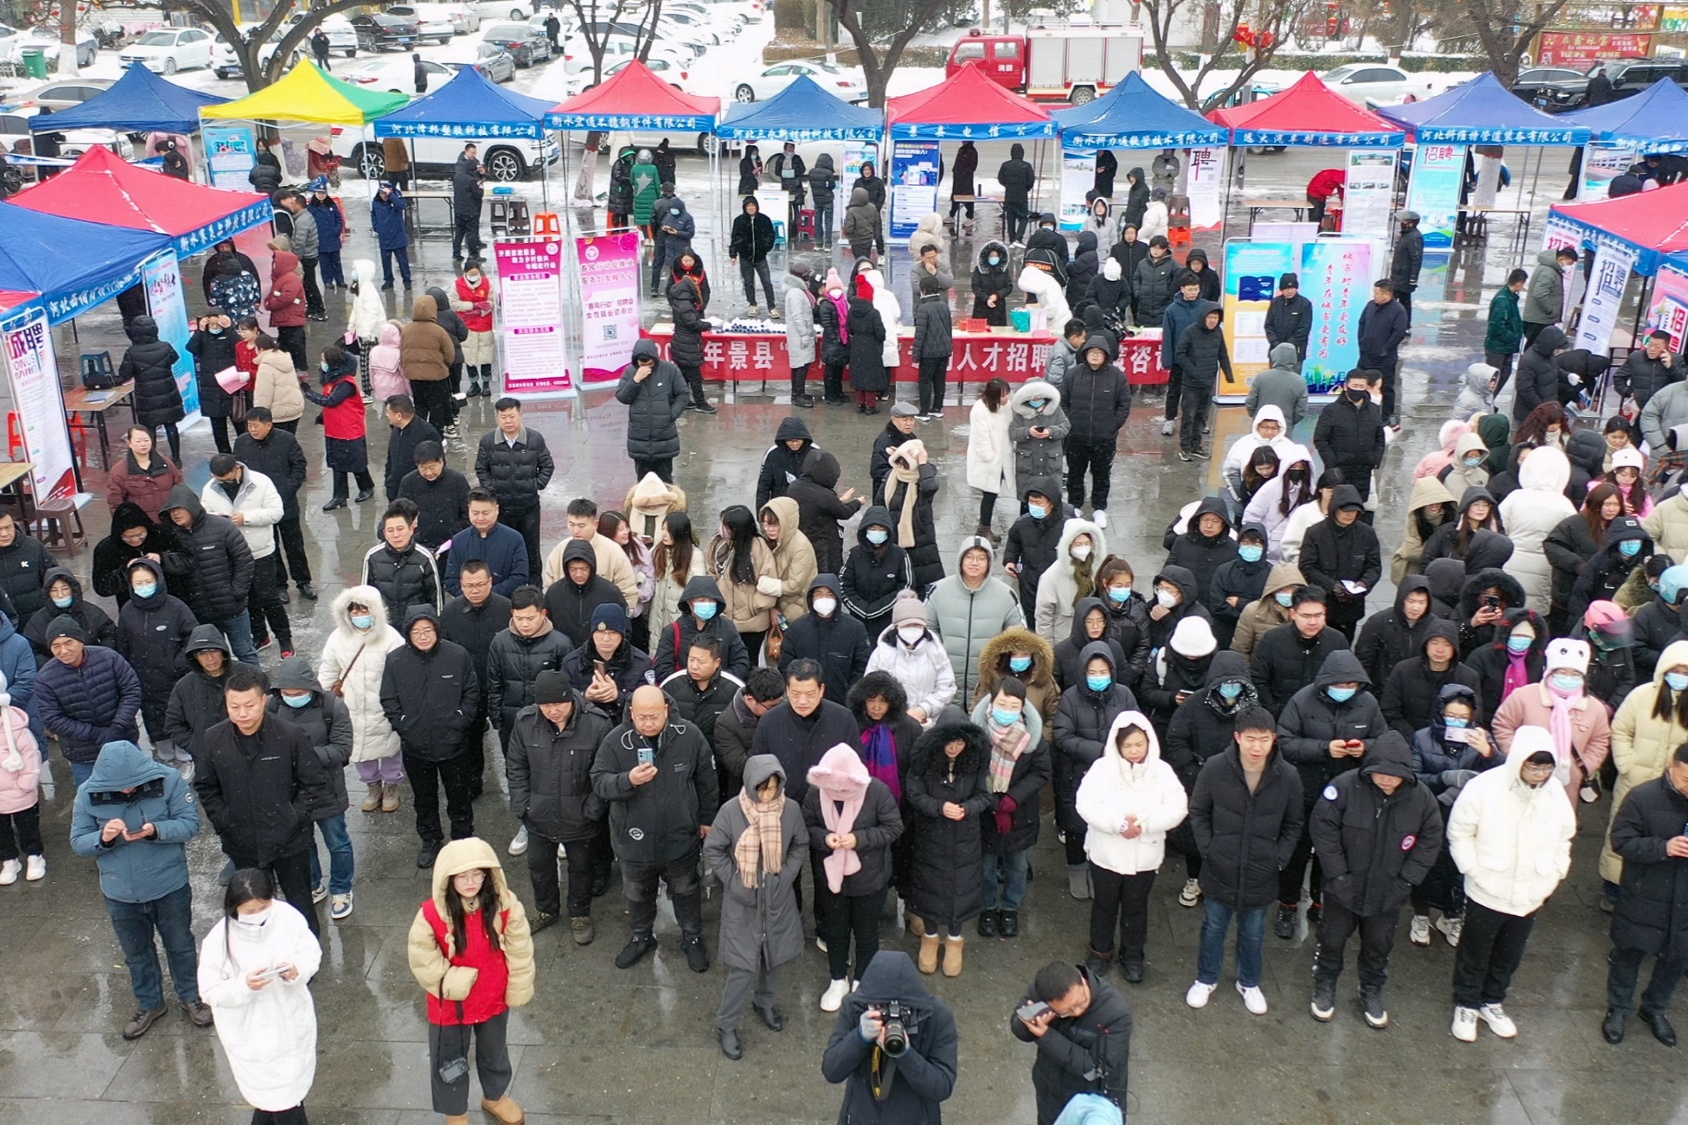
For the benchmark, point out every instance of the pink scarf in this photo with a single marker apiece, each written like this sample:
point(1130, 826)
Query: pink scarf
point(1559, 724)
point(1516, 675)
point(842, 781)
point(843, 307)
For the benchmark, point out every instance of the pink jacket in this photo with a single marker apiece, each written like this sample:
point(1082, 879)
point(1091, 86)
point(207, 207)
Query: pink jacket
point(386, 376)
point(1591, 731)
point(19, 788)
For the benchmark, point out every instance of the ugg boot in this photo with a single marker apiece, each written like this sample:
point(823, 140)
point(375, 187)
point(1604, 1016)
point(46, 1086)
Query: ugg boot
point(390, 797)
point(457, 1119)
point(1078, 880)
point(504, 1110)
point(952, 955)
point(928, 962)
point(372, 799)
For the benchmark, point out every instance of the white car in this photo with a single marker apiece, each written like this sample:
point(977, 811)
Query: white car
point(517, 10)
point(506, 158)
point(16, 137)
point(396, 74)
point(432, 21)
point(668, 69)
point(1358, 82)
point(168, 50)
point(227, 64)
point(842, 83)
point(13, 44)
point(342, 36)
point(67, 94)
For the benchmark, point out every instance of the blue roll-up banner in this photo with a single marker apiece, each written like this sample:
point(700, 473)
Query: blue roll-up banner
point(914, 184)
point(1433, 192)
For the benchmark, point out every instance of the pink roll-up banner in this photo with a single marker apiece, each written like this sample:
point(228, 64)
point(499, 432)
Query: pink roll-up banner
point(534, 345)
point(609, 303)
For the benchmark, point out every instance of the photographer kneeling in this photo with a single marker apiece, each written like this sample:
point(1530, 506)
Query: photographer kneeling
point(1082, 1027)
point(894, 1047)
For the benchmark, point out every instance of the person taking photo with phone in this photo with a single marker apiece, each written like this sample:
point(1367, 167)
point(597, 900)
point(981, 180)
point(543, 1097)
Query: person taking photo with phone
point(1082, 1027)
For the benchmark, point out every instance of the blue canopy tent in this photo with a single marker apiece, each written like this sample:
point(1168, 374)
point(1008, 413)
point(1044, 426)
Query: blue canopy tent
point(802, 112)
point(1654, 121)
point(469, 106)
point(138, 102)
point(74, 265)
point(1135, 115)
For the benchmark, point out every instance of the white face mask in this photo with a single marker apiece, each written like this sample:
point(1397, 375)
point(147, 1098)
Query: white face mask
point(1165, 600)
point(825, 606)
point(254, 921)
point(1081, 552)
point(910, 634)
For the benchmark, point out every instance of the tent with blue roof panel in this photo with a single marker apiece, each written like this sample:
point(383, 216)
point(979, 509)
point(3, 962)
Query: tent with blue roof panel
point(138, 102)
point(802, 112)
point(1135, 115)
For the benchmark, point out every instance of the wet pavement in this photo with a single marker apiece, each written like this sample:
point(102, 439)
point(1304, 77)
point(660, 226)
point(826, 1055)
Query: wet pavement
point(600, 1045)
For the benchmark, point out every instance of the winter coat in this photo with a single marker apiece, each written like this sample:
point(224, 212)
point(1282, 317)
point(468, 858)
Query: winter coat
point(1652, 908)
point(1332, 554)
point(873, 576)
point(1388, 638)
point(401, 449)
point(1285, 530)
point(933, 329)
point(1097, 402)
point(1083, 717)
point(1350, 438)
point(1664, 413)
point(426, 350)
point(1537, 378)
point(793, 556)
point(570, 604)
point(1030, 775)
point(257, 500)
point(820, 511)
point(1281, 385)
point(1033, 543)
point(676, 639)
point(373, 736)
point(799, 321)
point(269, 1036)
point(658, 822)
point(1643, 744)
point(1016, 176)
point(867, 344)
point(746, 606)
point(1197, 553)
point(1591, 730)
point(925, 1075)
point(1243, 581)
point(1411, 688)
point(878, 825)
point(325, 721)
point(1641, 377)
point(1037, 457)
point(430, 698)
point(782, 465)
point(1506, 326)
point(517, 473)
point(279, 458)
point(502, 548)
point(838, 643)
point(147, 488)
point(752, 235)
point(923, 555)
point(1245, 838)
point(1428, 492)
point(653, 406)
point(1057, 588)
point(989, 281)
point(1376, 847)
point(1438, 760)
point(485, 981)
point(1201, 351)
point(89, 705)
point(513, 665)
point(150, 363)
point(153, 634)
point(1114, 789)
point(924, 672)
point(761, 926)
point(286, 298)
point(196, 702)
point(1264, 614)
point(1512, 842)
point(1242, 450)
point(1311, 720)
point(1608, 569)
point(112, 555)
point(551, 771)
point(1530, 515)
point(1544, 295)
point(1082, 1059)
point(20, 762)
point(1289, 320)
point(1152, 288)
point(823, 181)
point(135, 871)
point(1203, 724)
point(276, 386)
point(861, 220)
point(946, 883)
point(260, 792)
point(1189, 605)
point(1125, 633)
point(1667, 523)
point(1181, 315)
point(626, 668)
point(100, 628)
point(386, 219)
point(221, 574)
point(966, 619)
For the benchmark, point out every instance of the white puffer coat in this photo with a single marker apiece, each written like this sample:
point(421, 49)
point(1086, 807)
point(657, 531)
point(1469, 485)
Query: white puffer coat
point(1530, 514)
point(990, 455)
point(891, 315)
point(1114, 789)
point(1057, 589)
point(372, 736)
point(1512, 843)
point(924, 671)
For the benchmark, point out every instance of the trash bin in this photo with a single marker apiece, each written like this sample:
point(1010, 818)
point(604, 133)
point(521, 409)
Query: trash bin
point(35, 62)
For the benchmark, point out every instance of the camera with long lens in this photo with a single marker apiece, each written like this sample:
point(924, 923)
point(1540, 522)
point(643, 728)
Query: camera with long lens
point(896, 1031)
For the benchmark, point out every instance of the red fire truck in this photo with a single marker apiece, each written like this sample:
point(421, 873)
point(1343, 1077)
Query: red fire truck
point(1054, 64)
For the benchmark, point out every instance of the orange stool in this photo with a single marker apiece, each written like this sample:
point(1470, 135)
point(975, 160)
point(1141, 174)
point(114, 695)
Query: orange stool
point(547, 225)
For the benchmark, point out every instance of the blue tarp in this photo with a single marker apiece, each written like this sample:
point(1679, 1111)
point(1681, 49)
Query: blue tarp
point(74, 265)
point(139, 102)
point(468, 106)
point(1655, 120)
point(803, 111)
point(1135, 115)
point(1482, 112)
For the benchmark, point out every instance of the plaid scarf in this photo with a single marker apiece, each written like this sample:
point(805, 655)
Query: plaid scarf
point(762, 846)
point(1007, 744)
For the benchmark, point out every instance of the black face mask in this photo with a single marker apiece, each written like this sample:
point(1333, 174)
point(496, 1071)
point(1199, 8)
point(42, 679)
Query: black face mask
point(1357, 396)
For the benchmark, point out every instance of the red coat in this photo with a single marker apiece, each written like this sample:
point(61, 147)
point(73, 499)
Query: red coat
point(486, 995)
point(481, 297)
point(344, 422)
point(246, 359)
point(286, 298)
point(1332, 181)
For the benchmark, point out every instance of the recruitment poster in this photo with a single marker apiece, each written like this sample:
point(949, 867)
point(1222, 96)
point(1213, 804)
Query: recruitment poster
point(1336, 276)
point(913, 184)
point(532, 343)
point(1603, 163)
point(1613, 264)
point(161, 276)
point(1204, 187)
point(1670, 307)
point(609, 303)
point(1078, 179)
point(1433, 191)
point(230, 154)
point(32, 370)
point(1252, 269)
point(1369, 193)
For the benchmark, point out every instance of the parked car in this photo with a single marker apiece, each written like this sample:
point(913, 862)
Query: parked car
point(526, 43)
point(87, 46)
point(1629, 77)
point(397, 75)
point(506, 159)
point(382, 32)
point(67, 94)
point(835, 80)
point(342, 36)
point(227, 64)
point(1530, 83)
point(493, 61)
point(667, 69)
point(16, 137)
point(433, 21)
point(517, 10)
point(168, 50)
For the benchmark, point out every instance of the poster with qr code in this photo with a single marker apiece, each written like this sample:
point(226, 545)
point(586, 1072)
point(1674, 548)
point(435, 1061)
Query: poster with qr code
point(534, 343)
point(609, 303)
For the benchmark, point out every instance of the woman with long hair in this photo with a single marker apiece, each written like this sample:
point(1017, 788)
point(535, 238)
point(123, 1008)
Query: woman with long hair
point(740, 559)
point(253, 970)
point(1545, 425)
point(1272, 503)
point(470, 949)
point(1428, 508)
point(1573, 542)
point(1625, 475)
point(614, 527)
point(947, 793)
point(1477, 512)
point(675, 560)
point(990, 455)
point(1262, 466)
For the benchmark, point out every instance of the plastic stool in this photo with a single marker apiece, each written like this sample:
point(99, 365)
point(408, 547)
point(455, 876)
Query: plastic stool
point(98, 364)
point(547, 224)
point(60, 525)
point(520, 222)
point(14, 435)
point(806, 223)
point(1178, 236)
point(500, 216)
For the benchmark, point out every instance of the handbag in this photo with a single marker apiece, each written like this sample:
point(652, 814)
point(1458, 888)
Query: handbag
point(341, 683)
point(775, 642)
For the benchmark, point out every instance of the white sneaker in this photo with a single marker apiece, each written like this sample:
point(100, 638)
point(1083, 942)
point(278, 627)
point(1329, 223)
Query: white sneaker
point(319, 892)
point(1191, 894)
point(1451, 929)
point(753, 311)
point(1253, 999)
point(562, 851)
point(1419, 932)
point(1100, 518)
point(1465, 1024)
point(1198, 995)
point(1499, 1022)
point(36, 869)
point(341, 907)
point(518, 846)
point(1166, 427)
point(9, 872)
point(833, 998)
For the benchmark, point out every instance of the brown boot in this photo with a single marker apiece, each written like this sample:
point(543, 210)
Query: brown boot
point(952, 956)
point(928, 962)
point(390, 797)
point(372, 799)
point(915, 924)
point(457, 1119)
point(504, 1110)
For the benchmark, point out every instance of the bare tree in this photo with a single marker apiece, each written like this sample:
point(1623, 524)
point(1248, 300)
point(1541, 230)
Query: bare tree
point(1506, 29)
point(69, 66)
point(597, 32)
point(1268, 36)
point(879, 63)
point(249, 48)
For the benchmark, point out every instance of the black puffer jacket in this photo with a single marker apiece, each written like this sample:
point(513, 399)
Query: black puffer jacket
point(1568, 548)
point(1284, 662)
point(213, 352)
point(1152, 288)
point(654, 405)
point(627, 668)
point(1033, 770)
point(324, 719)
point(1189, 605)
point(1245, 838)
point(1411, 687)
point(220, 575)
point(89, 705)
point(657, 822)
point(516, 474)
point(1607, 571)
point(1387, 638)
point(701, 704)
point(514, 662)
point(430, 698)
point(23, 572)
point(1083, 717)
point(262, 792)
point(878, 825)
point(571, 604)
point(1376, 846)
point(1201, 353)
point(280, 458)
point(150, 363)
point(676, 640)
point(874, 576)
point(152, 635)
point(1086, 1054)
point(867, 347)
point(819, 509)
point(839, 643)
point(1203, 724)
point(1312, 720)
point(1538, 376)
point(1068, 653)
point(112, 555)
point(925, 557)
point(1350, 437)
point(800, 741)
point(551, 771)
point(1097, 402)
point(925, 1075)
point(1033, 544)
point(1652, 910)
point(196, 701)
point(1490, 661)
point(782, 465)
point(1199, 554)
point(95, 622)
point(946, 883)
point(404, 578)
point(1473, 638)
point(685, 303)
point(989, 280)
point(1083, 269)
point(1332, 554)
point(401, 451)
point(1245, 581)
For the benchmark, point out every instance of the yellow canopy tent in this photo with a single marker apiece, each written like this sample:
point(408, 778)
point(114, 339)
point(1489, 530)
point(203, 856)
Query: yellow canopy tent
point(308, 94)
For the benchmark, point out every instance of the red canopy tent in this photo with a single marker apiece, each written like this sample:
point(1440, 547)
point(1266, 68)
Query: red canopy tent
point(12, 298)
point(128, 195)
point(1652, 223)
point(630, 100)
point(1308, 114)
point(970, 106)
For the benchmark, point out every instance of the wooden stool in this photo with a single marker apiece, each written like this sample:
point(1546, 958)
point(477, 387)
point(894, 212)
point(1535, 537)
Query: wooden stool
point(60, 525)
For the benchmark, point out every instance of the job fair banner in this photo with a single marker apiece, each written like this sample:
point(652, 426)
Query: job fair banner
point(1252, 269)
point(1603, 163)
point(230, 153)
point(161, 276)
point(1670, 306)
point(1336, 276)
point(914, 184)
point(532, 342)
point(32, 371)
point(1078, 179)
point(1433, 192)
point(609, 303)
point(1613, 264)
point(1204, 186)
point(1369, 193)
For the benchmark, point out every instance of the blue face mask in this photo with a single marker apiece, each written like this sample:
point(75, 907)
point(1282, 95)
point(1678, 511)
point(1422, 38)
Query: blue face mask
point(1037, 513)
point(1341, 694)
point(1518, 646)
point(1098, 683)
point(296, 700)
point(1020, 663)
point(1119, 595)
point(673, 210)
point(146, 590)
point(1230, 690)
point(877, 536)
point(994, 260)
point(1284, 598)
point(1567, 681)
point(1629, 548)
point(703, 611)
point(1037, 403)
point(1249, 553)
point(64, 603)
point(1676, 681)
point(362, 620)
point(1454, 723)
point(1004, 718)
point(324, 366)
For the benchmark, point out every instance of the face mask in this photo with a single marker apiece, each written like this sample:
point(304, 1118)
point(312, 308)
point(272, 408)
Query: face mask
point(362, 620)
point(146, 590)
point(1357, 396)
point(1004, 718)
point(1567, 681)
point(1629, 548)
point(994, 260)
point(253, 921)
point(911, 634)
point(1037, 403)
point(1081, 552)
point(1472, 462)
point(703, 611)
point(214, 329)
point(1518, 646)
point(877, 536)
point(472, 278)
point(324, 366)
point(1165, 600)
point(1341, 694)
point(1230, 690)
point(1284, 598)
point(1020, 663)
point(1676, 681)
point(296, 700)
point(1119, 594)
point(1249, 553)
point(1455, 723)
point(825, 606)
point(63, 603)
point(1038, 513)
point(1098, 683)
